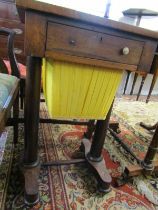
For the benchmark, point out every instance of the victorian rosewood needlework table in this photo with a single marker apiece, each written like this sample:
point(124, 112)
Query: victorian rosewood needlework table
point(67, 35)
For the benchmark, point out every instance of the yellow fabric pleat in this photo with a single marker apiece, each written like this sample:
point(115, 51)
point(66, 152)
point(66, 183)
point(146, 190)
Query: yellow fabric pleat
point(78, 91)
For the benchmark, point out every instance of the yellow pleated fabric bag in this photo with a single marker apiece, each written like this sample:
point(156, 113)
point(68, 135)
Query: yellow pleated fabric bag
point(77, 91)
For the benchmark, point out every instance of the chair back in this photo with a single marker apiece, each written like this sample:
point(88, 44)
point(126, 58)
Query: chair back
point(10, 35)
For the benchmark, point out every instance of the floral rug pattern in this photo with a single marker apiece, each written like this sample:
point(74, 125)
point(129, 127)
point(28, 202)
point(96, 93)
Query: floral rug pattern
point(6, 155)
point(74, 187)
point(131, 113)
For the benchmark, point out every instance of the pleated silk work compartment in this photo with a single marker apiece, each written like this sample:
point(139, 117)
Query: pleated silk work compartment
point(77, 91)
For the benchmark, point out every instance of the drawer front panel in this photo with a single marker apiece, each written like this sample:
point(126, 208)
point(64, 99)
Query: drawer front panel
point(91, 44)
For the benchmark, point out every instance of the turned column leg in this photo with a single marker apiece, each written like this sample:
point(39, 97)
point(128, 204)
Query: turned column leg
point(93, 153)
point(32, 102)
point(90, 129)
point(99, 138)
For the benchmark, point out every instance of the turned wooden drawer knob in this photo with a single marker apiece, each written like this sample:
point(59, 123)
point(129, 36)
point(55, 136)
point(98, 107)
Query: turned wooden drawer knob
point(125, 51)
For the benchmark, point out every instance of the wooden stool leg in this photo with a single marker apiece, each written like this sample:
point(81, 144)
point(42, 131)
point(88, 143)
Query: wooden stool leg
point(16, 116)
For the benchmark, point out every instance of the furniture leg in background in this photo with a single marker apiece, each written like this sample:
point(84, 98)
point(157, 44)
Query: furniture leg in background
point(22, 92)
point(134, 82)
point(32, 102)
point(143, 75)
point(141, 85)
point(154, 70)
point(16, 117)
point(151, 88)
point(126, 83)
point(152, 150)
point(148, 165)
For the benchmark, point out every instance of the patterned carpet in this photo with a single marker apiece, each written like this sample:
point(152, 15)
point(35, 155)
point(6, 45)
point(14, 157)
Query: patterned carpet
point(74, 187)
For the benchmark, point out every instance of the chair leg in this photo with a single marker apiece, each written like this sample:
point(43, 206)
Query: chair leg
point(126, 83)
point(151, 88)
point(134, 82)
point(22, 93)
point(154, 70)
point(16, 116)
point(141, 86)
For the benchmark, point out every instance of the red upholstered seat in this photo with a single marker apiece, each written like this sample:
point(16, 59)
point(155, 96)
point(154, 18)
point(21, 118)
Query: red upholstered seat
point(22, 68)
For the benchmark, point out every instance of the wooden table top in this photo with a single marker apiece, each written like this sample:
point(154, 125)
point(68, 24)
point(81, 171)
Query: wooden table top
point(69, 13)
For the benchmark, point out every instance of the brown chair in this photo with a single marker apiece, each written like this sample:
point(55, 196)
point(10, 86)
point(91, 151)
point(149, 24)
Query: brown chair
point(9, 86)
point(154, 71)
point(22, 71)
point(143, 77)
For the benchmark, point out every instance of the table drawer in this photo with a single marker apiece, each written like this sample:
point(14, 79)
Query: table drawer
point(92, 44)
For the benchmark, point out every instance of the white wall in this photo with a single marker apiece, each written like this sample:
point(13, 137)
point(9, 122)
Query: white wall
point(146, 22)
point(97, 7)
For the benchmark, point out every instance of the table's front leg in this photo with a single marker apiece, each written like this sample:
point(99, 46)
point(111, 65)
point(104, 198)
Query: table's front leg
point(32, 102)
